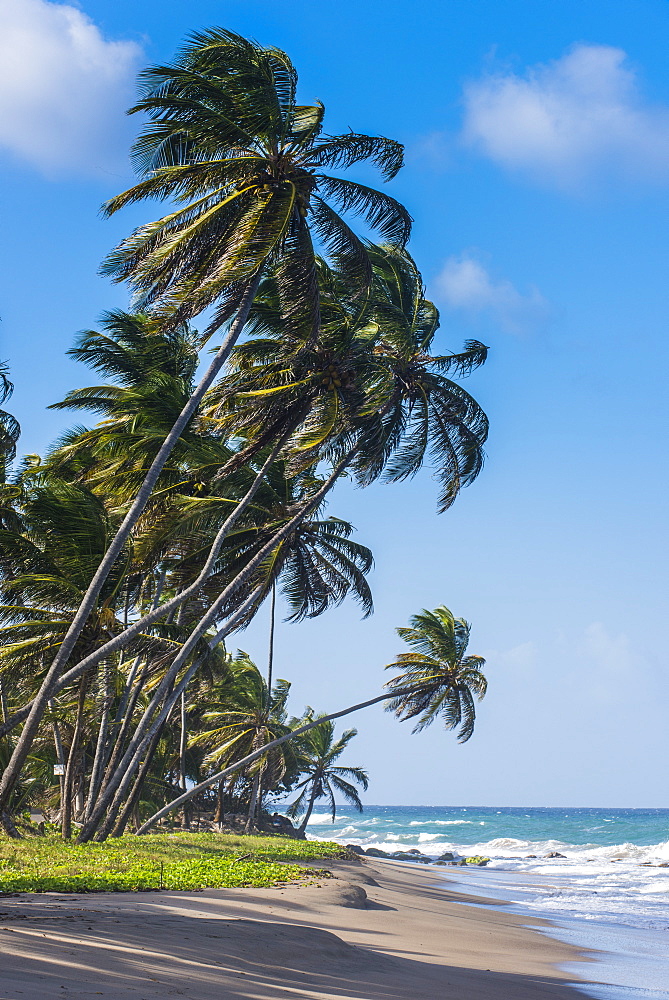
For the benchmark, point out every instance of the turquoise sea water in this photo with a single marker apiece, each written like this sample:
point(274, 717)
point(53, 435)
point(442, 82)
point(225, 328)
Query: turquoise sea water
point(507, 831)
point(608, 892)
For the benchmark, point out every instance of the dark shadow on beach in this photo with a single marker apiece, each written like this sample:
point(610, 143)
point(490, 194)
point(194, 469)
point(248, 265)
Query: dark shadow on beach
point(89, 952)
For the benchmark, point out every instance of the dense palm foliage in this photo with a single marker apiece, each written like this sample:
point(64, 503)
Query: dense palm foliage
point(138, 544)
point(227, 141)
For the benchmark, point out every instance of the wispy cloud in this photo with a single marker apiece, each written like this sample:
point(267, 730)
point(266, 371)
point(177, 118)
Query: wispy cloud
point(465, 284)
point(566, 120)
point(64, 88)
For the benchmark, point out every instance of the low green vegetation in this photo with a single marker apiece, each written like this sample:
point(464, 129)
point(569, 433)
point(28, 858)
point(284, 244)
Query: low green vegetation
point(187, 861)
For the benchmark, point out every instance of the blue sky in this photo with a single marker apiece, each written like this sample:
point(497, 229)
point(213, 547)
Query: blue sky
point(537, 138)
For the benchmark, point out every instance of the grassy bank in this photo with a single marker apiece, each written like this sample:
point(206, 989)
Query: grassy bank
point(160, 861)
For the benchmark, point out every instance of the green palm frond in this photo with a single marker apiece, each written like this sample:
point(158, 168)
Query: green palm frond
point(442, 681)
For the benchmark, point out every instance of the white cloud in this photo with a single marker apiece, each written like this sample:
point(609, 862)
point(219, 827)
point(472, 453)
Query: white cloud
point(465, 284)
point(64, 88)
point(569, 118)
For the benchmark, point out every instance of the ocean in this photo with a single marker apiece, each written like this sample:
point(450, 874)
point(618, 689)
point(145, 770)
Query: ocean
point(608, 893)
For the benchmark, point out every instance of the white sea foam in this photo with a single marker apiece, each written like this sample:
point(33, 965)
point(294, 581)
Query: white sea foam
point(317, 819)
point(446, 822)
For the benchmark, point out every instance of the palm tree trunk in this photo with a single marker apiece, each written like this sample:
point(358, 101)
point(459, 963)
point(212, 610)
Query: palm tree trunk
point(6, 821)
point(220, 796)
point(250, 820)
point(138, 772)
point(182, 754)
point(133, 798)
point(270, 655)
point(15, 765)
point(60, 757)
point(270, 666)
point(307, 816)
point(102, 740)
point(72, 760)
point(3, 701)
point(120, 742)
point(250, 758)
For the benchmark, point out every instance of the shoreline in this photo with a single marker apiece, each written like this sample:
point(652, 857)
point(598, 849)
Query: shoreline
point(373, 931)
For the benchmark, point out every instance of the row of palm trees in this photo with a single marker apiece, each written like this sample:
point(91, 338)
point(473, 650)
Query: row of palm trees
point(134, 547)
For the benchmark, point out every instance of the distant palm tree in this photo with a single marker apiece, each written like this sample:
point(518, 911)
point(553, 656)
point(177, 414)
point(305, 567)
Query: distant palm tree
point(242, 717)
point(317, 753)
point(442, 681)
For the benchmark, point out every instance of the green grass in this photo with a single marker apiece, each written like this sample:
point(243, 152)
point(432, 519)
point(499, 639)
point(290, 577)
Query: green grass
point(159, 861)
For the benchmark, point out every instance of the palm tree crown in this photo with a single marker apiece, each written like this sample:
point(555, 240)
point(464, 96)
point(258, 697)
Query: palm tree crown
point(318, 751)
point(228, 142)
point(446, 680)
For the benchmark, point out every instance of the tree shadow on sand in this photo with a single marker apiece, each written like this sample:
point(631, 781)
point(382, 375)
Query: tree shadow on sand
point(143, 955)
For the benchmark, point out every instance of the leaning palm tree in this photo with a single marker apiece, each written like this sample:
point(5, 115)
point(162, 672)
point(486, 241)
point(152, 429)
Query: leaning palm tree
point(227, 140)
point(445, 681)
point(438, 680)
point(317, 752)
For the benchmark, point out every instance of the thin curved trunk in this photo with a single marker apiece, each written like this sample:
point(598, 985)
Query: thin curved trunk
point(72, 760)
point(268, 746)
point(117, 805)
point(270, 667)
point(13, 770)
point(60, 757)
point(182, 754)
point(312, 799)
point(250, 819)
point(99, 760)
point(220, 794)
point(270, 654)
point(119, 744)
point(3, 701)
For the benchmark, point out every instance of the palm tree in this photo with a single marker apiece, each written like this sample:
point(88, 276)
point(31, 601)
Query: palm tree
point(437, 681)
point(244, 716)
point(227, 140)
point(149, 376)
point(317, 752)
point(444, 679)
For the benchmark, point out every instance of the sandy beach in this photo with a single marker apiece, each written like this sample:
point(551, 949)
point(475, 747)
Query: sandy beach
point(378, 931)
